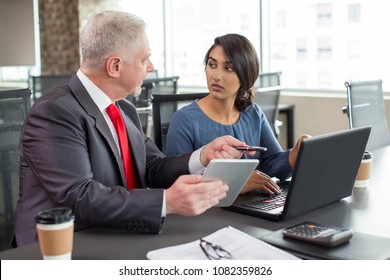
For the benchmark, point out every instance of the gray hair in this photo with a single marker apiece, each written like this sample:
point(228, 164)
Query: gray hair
point(110, 33)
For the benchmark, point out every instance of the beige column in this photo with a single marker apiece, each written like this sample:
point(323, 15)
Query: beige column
point(59, 36)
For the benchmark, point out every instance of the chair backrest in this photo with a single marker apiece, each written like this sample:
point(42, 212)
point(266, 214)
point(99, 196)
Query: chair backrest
point(163, 107)
point(153, 74)
point(268, 79)
point(143, 103)
point(144, 99)
point(164, 84)
point(14, 105)
point(40, 85)
point(366, 107)
point(268, 100)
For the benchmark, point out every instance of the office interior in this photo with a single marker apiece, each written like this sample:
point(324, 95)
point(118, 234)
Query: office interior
point(317, 102)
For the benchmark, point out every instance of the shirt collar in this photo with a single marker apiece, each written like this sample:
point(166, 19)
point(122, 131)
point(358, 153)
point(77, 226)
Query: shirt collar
point(97, 95)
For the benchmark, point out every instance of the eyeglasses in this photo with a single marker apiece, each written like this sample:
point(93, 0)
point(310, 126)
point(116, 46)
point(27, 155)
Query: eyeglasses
point(214, 252)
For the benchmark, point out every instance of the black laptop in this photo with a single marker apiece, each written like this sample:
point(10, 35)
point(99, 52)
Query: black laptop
point(325, 172)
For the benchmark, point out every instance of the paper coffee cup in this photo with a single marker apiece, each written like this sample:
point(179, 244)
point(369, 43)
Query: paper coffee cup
point(55, 233)
point(364, 172)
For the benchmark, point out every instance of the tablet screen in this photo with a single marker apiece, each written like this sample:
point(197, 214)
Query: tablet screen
point(234, 172)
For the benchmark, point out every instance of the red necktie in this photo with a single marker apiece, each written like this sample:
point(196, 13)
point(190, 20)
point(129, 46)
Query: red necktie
point(119, 125)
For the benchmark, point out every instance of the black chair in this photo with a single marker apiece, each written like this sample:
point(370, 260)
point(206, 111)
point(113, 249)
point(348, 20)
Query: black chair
point(366, 107)
point(163, 107)
point(152, 75)
point(268, 100)
point(14, 105)
point(143, 103)
point(268, 79)
point(164, 84)
point(40, 85)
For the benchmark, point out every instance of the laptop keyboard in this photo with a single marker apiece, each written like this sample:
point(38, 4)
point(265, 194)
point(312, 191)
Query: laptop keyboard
point(267, 203)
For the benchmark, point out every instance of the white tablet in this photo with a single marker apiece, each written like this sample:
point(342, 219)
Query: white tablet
point(234, 172)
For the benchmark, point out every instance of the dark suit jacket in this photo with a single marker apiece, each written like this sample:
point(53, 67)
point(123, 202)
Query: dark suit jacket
point(68, 157)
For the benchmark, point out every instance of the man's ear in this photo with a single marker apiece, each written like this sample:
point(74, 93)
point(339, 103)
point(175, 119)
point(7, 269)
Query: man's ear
point(113, 65)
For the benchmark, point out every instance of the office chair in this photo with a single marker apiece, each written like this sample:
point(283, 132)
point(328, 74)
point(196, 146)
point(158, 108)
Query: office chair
point(163, 107)
point(268, 79)
point(268, 100)
point(366, 107)
point(40, 85)
point(153, 74)
point(164, 84)
point(14, 105)
point(143, 104)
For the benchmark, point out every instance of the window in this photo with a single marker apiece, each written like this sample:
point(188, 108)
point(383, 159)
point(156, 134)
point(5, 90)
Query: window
point(327, 42)
point(354, 13)
point(324, 48)
point(324, 77)
point(151, 11)
point(281, 18)
point(324, 14)
point(302, 77)
point(300, 38)
point(195, 24)
point(181, 31)
point(353, 49)
point(279, 51)
point(301, 49)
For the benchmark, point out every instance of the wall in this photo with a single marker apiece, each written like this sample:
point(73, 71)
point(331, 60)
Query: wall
point(17, 43)
point(318, 113)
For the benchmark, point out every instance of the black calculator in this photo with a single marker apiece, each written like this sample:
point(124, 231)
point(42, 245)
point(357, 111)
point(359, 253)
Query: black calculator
point(318, 234)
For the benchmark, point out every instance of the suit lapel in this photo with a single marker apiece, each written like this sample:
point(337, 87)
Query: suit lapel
point(92, 110)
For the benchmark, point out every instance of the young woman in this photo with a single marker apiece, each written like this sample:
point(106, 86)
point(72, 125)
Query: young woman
point(232, 67)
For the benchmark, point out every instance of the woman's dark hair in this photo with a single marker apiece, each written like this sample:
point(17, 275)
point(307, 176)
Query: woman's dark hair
point(242, 55)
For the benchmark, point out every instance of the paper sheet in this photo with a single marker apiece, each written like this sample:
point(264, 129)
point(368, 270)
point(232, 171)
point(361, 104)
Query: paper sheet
point(240, 245)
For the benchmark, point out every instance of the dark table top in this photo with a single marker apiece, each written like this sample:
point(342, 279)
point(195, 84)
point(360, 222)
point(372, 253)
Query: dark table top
point(365, 211)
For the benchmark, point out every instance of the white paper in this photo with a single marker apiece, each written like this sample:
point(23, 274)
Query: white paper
point(240, 245)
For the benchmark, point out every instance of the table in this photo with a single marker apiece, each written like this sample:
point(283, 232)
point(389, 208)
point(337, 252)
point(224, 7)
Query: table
point(366, 211)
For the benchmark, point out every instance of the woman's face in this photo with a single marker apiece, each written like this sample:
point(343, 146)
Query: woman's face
point(222, 80)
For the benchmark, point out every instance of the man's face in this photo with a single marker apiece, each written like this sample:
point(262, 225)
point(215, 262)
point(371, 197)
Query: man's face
point(135, 68)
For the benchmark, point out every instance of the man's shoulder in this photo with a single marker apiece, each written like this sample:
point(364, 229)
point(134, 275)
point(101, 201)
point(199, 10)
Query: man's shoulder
point(60, 96)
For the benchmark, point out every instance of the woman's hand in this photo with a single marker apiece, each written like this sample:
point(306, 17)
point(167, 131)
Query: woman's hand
point(292, 157)
point(261, 181)
point(222, 147)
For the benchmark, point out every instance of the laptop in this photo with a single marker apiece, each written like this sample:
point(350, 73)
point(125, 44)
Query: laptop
point(325, 172)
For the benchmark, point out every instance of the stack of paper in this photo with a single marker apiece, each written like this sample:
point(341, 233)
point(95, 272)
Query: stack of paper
point(240, 245)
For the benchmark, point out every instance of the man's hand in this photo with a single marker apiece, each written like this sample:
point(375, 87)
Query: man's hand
point(189, 196)
point(222, 147)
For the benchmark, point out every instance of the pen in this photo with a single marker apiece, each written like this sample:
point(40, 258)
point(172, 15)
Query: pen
point(250, 148)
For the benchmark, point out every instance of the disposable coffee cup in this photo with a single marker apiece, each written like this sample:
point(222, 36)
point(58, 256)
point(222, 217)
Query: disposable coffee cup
point(55, 233)
point(364, 172)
